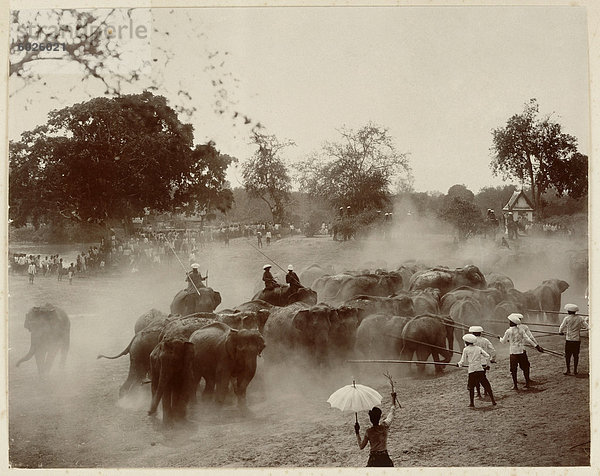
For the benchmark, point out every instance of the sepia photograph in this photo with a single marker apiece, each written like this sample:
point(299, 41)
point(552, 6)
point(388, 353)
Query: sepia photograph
point(298, 237)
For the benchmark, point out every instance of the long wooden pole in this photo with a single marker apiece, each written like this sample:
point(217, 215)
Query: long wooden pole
point(553, 312)
point(424, 343)
point(397, 362)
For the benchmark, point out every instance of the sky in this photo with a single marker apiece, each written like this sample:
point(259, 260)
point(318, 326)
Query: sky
point(439, 78)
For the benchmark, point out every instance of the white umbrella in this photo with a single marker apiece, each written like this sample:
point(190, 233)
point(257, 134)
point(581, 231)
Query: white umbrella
point(355, 398)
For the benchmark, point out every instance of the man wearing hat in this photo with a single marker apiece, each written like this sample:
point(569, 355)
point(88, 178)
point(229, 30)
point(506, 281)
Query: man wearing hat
point(572, 325)
point(268, 278)
point(517, 337)
point(486, 345)
point(194, 279)
point(476, 358)
point(292, 279)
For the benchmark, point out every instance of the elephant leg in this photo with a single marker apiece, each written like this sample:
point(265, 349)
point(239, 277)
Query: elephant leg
point(137, 372)
point(240, 391)
point(436, 358)
point(40, 358)
point(222, 386)
point(50, 356)
point(64, 350)
point(422, 355)
point(209, 387)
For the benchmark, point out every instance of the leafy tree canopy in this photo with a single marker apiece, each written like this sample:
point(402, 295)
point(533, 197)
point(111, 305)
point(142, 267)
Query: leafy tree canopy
point(266, 176)
point(460, 210)
point(535, 151)
point(357, 171)
point(113, 158)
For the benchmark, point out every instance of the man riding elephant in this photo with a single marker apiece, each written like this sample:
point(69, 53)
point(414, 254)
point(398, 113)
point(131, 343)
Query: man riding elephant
point(270, 282)
point(194, 279)
point(292, 279)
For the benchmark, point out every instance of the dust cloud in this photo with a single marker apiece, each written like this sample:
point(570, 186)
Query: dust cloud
point(75, 418)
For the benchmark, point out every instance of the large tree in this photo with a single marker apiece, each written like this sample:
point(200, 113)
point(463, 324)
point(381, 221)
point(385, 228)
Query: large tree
point(460, 210)
point(108, 159)
point(357, 171)
point(266, 175)
point(535, 151)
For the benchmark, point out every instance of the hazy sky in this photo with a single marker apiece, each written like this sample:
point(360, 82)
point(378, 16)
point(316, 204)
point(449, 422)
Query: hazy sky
point(440, 78)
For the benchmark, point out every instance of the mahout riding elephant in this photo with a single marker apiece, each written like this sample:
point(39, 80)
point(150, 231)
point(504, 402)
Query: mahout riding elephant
point(379, 336)
point(548, 296)
point(50, 330)
point(446, 279)
point(282, 296)
point(426, 301)
point(171, 373)
point(396, 305)
point(427, 335)
point(313, 272)
point(201, 300)
point(381, 283)
point(223, 354)
point(152, 317)
point(300, 329)
point(495, 279)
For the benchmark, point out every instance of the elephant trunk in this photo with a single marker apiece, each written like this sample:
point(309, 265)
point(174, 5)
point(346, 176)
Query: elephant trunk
point(29, 355)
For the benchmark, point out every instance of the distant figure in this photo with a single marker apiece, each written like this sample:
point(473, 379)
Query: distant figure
point(572, 325)
point(377, 437)
point(70, 273)
point(259, 238)
point(31, 271)
point(268, 278)
point(268, 236)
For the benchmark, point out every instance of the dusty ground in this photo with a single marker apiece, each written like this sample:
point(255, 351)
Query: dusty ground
point(74, 419)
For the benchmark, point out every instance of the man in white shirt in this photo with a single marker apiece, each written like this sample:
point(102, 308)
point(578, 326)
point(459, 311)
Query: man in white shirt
point(517, 337)
point(476, 358)
point(486, 345)
point(572, 325)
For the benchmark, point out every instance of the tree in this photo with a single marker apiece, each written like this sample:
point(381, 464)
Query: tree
point(358, 171)
point(98, 48)
point(108, 159)
point(534, 150)
point(494, 198)
point(460, 210)
point(266, 176)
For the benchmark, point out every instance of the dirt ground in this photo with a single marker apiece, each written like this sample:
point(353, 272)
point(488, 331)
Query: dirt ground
point(75, 419)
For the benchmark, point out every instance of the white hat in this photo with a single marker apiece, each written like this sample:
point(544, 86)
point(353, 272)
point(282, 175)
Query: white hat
point(290, 267)
point(475, 329)
point(266, 266)
point(470, 338)
point(195, 266)
point(571, 307)
point(516, 318)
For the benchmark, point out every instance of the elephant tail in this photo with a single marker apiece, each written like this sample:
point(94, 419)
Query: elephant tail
point(124, 352)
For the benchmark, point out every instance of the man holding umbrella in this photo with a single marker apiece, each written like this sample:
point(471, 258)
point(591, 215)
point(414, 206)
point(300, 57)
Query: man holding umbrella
point(377, 436)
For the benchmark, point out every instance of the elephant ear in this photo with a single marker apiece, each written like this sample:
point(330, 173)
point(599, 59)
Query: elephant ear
point(216, 298)
point(562, 285)
point(300, 320)
point(231, 343)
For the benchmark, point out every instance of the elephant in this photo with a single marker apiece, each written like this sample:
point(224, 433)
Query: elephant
point(300, 329)
point(495, 279)
point(342, 334)
point(407, 270)
point(398, 305)
point(139, 350)
point(327, 287)
point(467, 312)
point(153, 316)
point(223, 354)
point(171, 373)
point(253, 320)
point(254, 305)
point(446, 279)
point(184, 326)
point(281, 296)
point(379, 336)
point(313, 272)
point(427, 335)
point(426, 301)
point(501, 312)
point(202, 300)
point(487, 298)
point(381, 283)
point(547, 296)
point(526, 300)
point(50, 330)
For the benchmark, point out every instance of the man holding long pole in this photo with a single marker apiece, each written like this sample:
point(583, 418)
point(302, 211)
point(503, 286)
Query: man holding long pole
point(572, 325)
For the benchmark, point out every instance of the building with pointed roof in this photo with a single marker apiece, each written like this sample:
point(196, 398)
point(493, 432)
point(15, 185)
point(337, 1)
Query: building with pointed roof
point(520, 206)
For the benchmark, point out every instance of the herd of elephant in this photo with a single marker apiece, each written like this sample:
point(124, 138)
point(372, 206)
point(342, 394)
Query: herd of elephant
point(378, 315)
